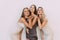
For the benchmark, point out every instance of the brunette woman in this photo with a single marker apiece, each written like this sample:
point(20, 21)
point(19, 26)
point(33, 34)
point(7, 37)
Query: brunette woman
point(33, 33)
point(26, 19)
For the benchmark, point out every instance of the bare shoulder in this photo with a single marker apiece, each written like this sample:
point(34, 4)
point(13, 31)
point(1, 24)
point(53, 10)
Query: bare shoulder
point(46, 19)
point(21, 19)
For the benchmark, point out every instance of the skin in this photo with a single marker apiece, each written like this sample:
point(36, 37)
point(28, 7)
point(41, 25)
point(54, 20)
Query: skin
point(32, 9)
point(26, 14)
point(31, 22)
point(40, 11)
point(41, 15)
point(22, 20)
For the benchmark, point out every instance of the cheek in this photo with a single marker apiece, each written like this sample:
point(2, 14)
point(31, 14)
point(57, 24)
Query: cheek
point(32, 9)
point(38, 12)
point(25, 13)
point(41, 12)
point(28, 13)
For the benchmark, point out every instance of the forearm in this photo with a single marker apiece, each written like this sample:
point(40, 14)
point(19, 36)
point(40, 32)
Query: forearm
point(39, 24)
point(34, 21)
point(44, 23)
point(30, 23)
point(26, 24)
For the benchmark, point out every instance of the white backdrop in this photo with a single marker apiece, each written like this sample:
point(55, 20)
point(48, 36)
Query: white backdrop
point(10, 12)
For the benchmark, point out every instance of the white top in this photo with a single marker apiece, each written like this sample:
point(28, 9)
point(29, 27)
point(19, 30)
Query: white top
point(20, 27)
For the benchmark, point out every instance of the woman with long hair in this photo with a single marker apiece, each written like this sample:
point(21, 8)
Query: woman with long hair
point(42, 23)
point(25, 19)
point(33, 10)
point(32, 32)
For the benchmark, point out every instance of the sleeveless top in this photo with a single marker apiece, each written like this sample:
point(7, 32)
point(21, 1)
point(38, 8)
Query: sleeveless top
point(32, 32)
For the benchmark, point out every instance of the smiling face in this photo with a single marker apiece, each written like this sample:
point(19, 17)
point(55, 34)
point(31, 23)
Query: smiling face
point(26, 12)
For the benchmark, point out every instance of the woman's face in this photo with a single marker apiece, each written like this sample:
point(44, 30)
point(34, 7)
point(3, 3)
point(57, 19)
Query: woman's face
point(26, 12)
point(40, 11)
point(32, 8)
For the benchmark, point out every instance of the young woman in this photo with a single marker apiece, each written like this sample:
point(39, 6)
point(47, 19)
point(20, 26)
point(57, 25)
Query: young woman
point(33, 10)
point(29, 25)
point(34, 19)
point(25, 20)
point(42, 22)
point(32, 32)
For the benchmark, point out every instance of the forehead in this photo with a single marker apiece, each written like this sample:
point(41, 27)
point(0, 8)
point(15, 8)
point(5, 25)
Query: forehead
point(32, 6)
point(25, 9)
point(39, 8)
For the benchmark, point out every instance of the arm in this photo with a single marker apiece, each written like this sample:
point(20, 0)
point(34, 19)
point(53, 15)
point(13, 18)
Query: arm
point(34, 20)
point(43, 24)
point(30, 23)
point(39, 23)
point(27, 24)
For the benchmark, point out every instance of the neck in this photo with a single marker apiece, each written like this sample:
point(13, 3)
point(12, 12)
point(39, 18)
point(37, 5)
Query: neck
point(32, 13)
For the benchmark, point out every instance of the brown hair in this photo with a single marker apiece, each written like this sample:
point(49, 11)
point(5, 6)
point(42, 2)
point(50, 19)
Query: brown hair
point(35, 12)
point(23, 12)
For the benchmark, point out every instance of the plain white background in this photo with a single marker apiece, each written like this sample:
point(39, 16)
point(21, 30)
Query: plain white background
point(10, 12)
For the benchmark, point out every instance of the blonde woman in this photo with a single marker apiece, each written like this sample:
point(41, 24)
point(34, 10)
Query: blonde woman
point(43, 24)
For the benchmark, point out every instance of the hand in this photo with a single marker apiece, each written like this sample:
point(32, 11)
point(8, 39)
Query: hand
point(40, 16)
point(31, 17)
point(30, 27)
point(40, 27)
point(27, 31)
